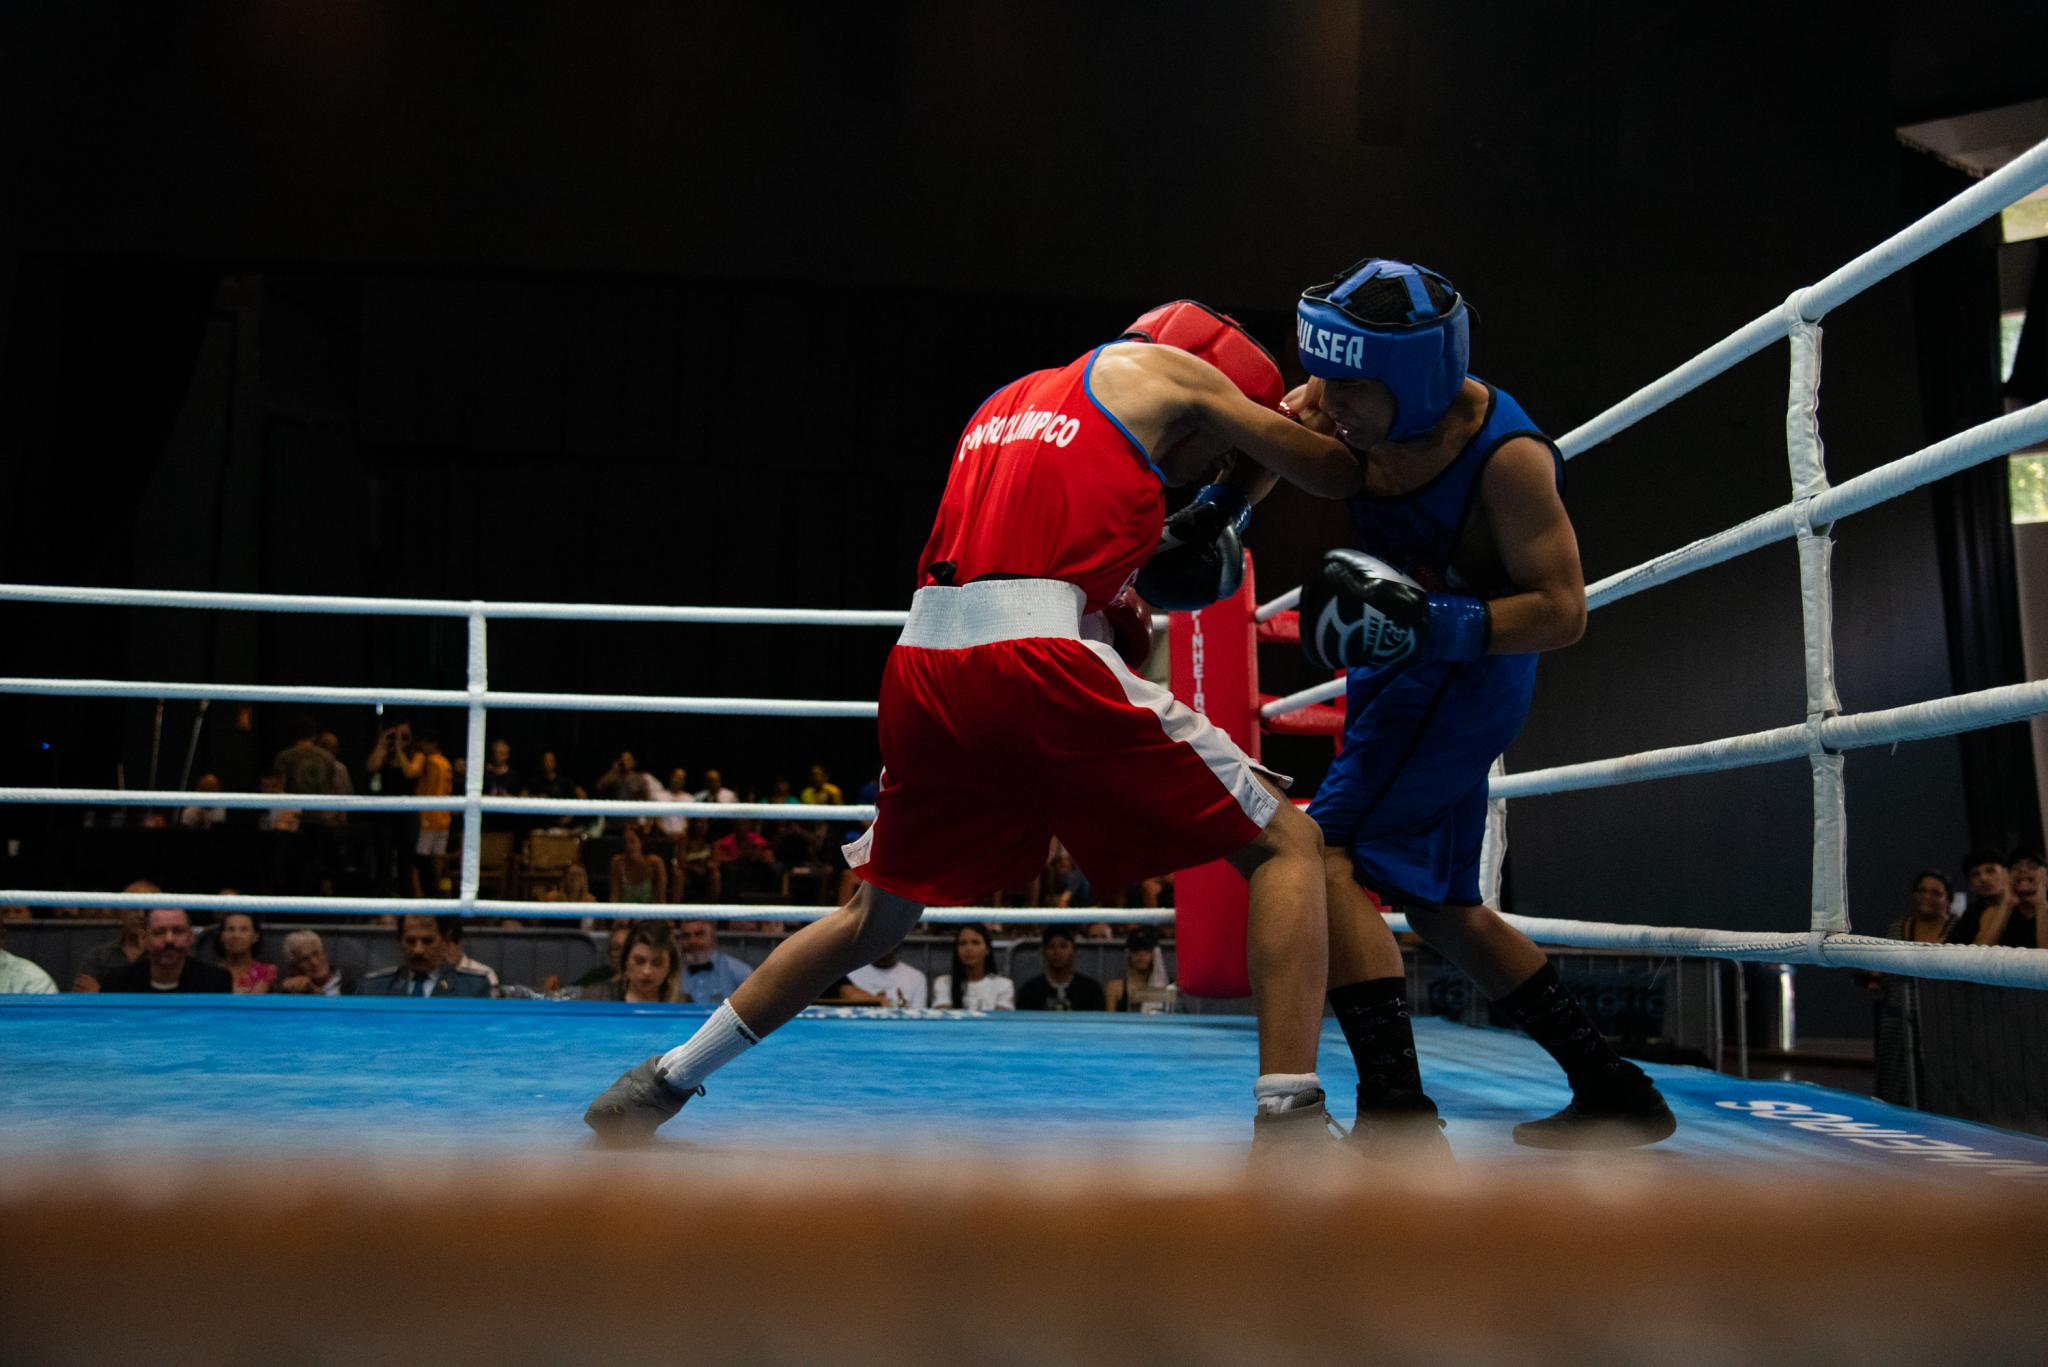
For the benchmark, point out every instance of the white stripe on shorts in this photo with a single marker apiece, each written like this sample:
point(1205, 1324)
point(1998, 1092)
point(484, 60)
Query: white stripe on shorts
point(1233, 768)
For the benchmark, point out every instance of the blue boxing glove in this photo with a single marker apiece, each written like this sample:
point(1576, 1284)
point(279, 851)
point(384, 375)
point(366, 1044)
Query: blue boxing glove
point(1359, 612)
point(1200, 558)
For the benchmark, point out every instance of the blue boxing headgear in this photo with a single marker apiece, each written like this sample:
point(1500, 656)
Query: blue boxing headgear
point(1403, 325)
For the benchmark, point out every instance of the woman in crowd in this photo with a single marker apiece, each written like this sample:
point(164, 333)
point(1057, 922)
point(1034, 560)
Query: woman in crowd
point(1143, 986)
point(1926, 921)
point(637, 876)
point(649, 968)
point(979, 989)
point(239, 938)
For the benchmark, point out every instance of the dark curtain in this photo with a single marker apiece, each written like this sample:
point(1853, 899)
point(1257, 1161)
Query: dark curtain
point(98, 358)
point(1955, 299)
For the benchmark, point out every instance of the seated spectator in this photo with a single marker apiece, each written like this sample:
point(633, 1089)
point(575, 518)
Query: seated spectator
point(307, 971)
point(549, 782)
point(648, 968)
point(637, 876)
point(574, 887)
point(709, 975)
point(894, 982)
point(455, 952)
point(623, 781)
point(822, 791)
point(678, 791)
point(780, 794)
point(117, 953)
point(2029, 875)
point(978, 988)
point(714, 789)
point(200, 818)
point(500, 778)
point(609, 968)
point(18, 976)
point(423, 969)
point(1060, 988)
point(167, 963)
point(696, 864)
point(747, 871)
point(1144, 987)
point(1097, 930)
point(1988, 919)
point(238, 939)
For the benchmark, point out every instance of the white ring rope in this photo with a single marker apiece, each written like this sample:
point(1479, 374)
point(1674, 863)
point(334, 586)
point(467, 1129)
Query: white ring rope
point(489, 806)
point(435, 697)
point(564, 911)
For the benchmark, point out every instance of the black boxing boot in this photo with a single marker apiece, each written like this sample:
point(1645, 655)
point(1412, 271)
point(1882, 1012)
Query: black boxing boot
point(1614, 1104)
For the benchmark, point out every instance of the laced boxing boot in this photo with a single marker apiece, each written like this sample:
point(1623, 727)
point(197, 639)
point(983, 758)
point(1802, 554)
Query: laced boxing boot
point(1614, 1104)
point(627, 1113)
point(1623, 1118)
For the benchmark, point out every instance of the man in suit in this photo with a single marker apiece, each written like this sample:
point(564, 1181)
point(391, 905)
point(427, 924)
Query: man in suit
point(423, 969)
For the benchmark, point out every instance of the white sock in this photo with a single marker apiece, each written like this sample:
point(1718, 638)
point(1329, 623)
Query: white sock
point(1286, 1091)
point(717, 1042)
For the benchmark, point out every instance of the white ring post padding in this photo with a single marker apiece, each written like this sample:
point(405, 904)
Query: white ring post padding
point(435, 697)
point(492, 806)
point(473, 768)
point(2008, 185)
point(564, 911)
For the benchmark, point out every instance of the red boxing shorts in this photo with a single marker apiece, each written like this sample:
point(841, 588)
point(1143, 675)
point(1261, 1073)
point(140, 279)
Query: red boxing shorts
point(1002, 728)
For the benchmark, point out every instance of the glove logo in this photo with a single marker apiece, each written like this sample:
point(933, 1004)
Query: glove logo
point(1371, 641)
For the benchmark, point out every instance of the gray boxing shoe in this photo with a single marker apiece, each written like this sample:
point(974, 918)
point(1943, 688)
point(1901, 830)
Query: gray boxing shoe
point(1281, 1136)
point(627, 1113)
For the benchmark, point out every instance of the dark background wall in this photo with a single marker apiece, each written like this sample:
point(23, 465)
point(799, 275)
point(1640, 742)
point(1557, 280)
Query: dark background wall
point(685, 303)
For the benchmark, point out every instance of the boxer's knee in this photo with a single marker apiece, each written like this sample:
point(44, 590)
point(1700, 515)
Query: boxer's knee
point(879, 920)
point(1289, 835)
point(1445, 922)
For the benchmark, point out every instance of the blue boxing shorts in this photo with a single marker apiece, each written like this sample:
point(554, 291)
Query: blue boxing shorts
point(1406, 796)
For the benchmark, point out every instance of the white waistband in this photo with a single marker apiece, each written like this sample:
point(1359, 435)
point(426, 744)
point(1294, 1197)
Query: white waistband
point(992, 610)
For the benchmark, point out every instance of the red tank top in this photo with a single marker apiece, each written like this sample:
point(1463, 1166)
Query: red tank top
point(1047, 485)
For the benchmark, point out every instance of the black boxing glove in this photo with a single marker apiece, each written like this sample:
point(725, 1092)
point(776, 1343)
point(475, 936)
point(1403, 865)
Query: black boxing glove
point(1200, 559)
point(1359, 612)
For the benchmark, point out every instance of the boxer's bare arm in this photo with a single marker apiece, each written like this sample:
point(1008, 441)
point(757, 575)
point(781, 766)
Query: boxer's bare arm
point(1162, 393)
point(1538, 550)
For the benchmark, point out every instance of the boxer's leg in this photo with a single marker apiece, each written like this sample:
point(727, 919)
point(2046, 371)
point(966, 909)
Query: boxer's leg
point(869, 926)
point(1287, 940)
point(1614, 1103)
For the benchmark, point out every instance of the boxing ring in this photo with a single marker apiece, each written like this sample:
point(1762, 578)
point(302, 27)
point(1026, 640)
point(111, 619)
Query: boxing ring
point(455, 1126)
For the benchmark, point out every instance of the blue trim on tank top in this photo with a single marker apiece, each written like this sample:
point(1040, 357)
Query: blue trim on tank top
point(1086, 388)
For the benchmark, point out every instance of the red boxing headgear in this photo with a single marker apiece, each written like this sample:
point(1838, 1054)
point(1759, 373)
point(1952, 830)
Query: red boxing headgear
point(1218, 339)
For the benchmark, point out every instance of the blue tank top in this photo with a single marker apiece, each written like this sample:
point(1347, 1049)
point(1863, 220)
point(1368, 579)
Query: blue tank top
point(1417, 532)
